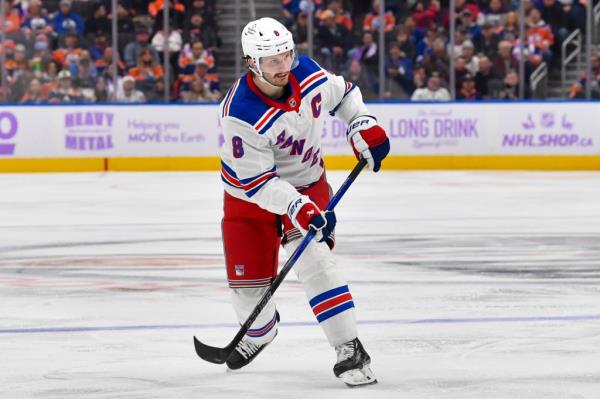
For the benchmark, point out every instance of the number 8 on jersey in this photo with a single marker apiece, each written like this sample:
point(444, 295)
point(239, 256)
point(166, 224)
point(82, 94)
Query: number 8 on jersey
point(238, 149)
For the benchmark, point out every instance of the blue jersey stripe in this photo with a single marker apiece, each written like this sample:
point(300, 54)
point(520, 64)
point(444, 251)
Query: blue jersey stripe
point(246, 105)
point(228, 169)
point(256, 189)
point(314, 86)
point(228, 183)
point(271, 121)
point(337, 310)
point(305, 68)
point(328, 294)
point(251, 179)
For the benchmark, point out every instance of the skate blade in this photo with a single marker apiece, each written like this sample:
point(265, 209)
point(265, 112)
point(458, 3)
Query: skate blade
point(359, 377)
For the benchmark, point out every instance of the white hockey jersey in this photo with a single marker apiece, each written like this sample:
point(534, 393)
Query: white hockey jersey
point(272, 148)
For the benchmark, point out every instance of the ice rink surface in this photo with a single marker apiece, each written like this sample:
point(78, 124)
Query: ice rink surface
point(467, 285)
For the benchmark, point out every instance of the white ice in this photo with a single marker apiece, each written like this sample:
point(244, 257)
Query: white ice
point(467, 285)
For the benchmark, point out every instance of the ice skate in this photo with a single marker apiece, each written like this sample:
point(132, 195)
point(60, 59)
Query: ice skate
point(246, 351)
point(353, 364)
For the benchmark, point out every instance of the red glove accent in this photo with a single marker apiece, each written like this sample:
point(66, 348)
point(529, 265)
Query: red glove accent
point(374, 136)
point(306, 214)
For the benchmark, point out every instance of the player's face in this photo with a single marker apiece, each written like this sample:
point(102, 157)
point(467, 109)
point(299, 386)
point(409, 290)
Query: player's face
point(276, 68)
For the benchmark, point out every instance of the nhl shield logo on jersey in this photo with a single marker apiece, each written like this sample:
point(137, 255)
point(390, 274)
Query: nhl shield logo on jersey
point(239, 270)
point(292, 102)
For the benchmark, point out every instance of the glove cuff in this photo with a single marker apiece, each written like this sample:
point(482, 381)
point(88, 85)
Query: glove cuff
point(358, 124)
point(301, 212)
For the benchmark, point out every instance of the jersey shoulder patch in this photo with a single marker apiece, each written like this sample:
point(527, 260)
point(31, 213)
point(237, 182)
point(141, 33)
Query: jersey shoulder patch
point(309, 74)
point(306, 66)
point(243, 104)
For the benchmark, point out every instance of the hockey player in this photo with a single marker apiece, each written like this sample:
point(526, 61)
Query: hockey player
point(275, 189)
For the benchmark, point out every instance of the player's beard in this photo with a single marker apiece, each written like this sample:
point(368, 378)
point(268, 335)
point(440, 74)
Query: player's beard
point(279, 79)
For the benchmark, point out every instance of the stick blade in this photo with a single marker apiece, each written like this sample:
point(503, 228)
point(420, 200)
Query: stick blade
point(210, 353)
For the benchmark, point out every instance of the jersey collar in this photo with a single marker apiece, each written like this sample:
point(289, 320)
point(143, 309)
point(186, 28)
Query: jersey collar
point(292, 103)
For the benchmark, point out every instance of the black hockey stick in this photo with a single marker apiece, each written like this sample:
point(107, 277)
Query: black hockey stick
point(220, 355)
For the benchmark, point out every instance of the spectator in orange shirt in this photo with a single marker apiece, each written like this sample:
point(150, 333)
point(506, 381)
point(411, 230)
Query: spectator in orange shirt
point(540, 35)
point(154, 7)
point(147, 71)
point(12, 19)
point(539, 32)
point(372, 22)
point(210, 80)
point(188, 58)
point(342, 16)
point(71, 47)
point(147, 68)
point(9, 47)
point(104, 62)
point(176, 15)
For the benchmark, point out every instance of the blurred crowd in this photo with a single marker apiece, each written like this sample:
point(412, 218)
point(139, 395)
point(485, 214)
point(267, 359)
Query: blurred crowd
point(61, 51)
point(417, 51)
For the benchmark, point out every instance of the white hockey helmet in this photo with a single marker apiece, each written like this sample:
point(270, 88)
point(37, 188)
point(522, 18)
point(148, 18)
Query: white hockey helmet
point(265, 37)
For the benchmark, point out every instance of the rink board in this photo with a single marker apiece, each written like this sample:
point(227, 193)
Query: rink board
point(482, 135)
point(394, 162)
